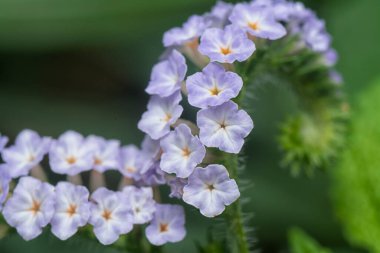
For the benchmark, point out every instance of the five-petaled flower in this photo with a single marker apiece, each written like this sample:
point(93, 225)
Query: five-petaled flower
point(224, 127)
point(213, 86)
point(30, 208)
point(28, 152)
point(168, 225)
point(168, 75)
point(257, 21)
point(72, 209)
point(161, 114)
point(141, 203)
point(71, 154)
point(210, 189)
point(110, 215)
point(181, 152)
point(226, 46)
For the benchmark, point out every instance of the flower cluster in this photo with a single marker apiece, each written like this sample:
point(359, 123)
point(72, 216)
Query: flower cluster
point(67, 207)
point(175, 151)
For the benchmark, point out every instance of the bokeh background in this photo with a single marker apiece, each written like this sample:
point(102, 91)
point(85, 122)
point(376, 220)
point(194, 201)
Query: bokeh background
point(83, 65)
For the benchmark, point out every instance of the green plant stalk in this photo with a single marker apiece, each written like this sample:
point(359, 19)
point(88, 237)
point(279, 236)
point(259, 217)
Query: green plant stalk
point(238, 242)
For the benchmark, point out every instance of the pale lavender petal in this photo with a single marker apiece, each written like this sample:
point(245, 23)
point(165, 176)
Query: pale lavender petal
point(27, 152)
point(181, 152)
point(226, 46)
point(105, 153)
point(30, 208)
point(168, 225)
point(161, 114)
point(72, 210)
point(210, 189)
point(71, 154)
point(224, 127)
point(213, 86)
point(168, 75)
point(110, 215)
point(257, 21)
point(141, 203)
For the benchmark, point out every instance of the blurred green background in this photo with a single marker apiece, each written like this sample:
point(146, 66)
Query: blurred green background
point(83, 65)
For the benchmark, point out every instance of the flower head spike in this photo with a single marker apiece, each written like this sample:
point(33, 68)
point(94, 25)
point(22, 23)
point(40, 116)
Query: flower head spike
point(226, 46)
point(181, 152)
point(167, 225)
point(176, 187)
point(105, 153)
point(71, 154)
point(224, 127)
point(30, 208)
point(141, 202)
point(257, 21)
point(213, 86)
point(28, 152)
point(168, 75)
point(161, 114)
point(210, 189)
point(72, 210)
point(190, 31)
point(4, 186)
point(3, 142)
point(110, 215)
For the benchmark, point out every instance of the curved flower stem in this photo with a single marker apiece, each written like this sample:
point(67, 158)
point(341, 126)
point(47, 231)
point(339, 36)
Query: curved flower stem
point(233, 214)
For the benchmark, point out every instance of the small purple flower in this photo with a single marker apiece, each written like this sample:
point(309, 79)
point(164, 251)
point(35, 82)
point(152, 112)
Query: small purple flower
point(176, 187)
point(168, 225)
point(257, 21)
point(4, 186)
point(131, 162)
point(3, 142)
point(110, 215)
point(153, 174)
point(72, 210)
point(210, 189)
point(335, 77)
point(226, 46)
point(190, 31)
point(30, 208)
point(315, 36)
point(221, 11)
point(181, 152)
point(168, 75)
point(330, 57)
point(105, 153)
point(213, 86)
point(71, 154)
point(28, 152)
point(224, 127)
point(141, 202)
point(161, 114)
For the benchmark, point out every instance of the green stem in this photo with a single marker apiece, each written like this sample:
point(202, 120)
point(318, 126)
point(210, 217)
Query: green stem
point(233, 214)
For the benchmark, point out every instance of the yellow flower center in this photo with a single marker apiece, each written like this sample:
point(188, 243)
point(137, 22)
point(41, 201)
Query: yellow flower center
point(164, 227)
point(71, 210)
point(107, 215)
point(254, 25)
point(225, 50)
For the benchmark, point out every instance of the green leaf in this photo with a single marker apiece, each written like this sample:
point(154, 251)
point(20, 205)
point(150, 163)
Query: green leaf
point(356, 188)
point(300, 242)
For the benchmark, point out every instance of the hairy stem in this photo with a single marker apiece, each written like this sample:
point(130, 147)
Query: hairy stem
point(234, 217)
